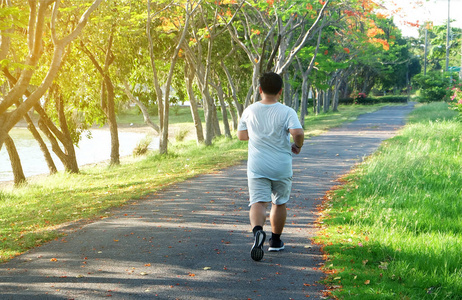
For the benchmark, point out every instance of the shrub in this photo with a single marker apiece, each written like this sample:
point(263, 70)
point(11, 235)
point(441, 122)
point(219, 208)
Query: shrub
point(432, 86)
point(142, 147)
point(181, 134)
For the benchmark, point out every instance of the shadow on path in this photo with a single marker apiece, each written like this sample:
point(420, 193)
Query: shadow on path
point(192, 240)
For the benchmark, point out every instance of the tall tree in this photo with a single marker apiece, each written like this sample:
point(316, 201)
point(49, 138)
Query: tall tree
point(107, 93)
point(180, 25)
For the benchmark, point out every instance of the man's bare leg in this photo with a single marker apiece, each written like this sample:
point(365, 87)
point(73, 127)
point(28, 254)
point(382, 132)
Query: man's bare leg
point(257, 214)
point(278, 216)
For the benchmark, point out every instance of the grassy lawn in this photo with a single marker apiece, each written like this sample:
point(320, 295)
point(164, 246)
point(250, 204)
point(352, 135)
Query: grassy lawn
point(31, 215)
point(393, 230)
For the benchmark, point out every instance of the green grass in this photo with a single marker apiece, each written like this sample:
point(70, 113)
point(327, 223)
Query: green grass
point(394, 229)
point(33, 214)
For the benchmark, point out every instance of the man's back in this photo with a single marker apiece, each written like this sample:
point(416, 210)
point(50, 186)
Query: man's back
point(269, 141)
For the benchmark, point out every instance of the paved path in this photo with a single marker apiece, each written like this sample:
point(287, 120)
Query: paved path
point(192, 240)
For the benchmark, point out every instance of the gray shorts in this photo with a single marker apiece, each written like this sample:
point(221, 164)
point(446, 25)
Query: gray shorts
point(267, 190)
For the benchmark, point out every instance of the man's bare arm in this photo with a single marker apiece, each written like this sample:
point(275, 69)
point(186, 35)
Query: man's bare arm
point(243, 135)
point(299, 137)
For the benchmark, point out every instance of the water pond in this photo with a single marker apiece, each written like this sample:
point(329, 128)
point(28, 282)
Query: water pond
point(90, 150)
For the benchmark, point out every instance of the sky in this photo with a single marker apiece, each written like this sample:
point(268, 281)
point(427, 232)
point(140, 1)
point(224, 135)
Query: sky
point(429, 10)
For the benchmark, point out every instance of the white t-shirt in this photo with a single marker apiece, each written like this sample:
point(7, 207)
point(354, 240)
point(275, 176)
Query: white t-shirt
point(268, 125)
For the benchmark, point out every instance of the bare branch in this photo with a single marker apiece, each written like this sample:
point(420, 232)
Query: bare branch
point(54, 16)
point(299, 47)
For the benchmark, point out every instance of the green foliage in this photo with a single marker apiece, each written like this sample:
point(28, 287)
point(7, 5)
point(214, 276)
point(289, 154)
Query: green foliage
point(433, 86)
point(437, 46)
point(393, 229)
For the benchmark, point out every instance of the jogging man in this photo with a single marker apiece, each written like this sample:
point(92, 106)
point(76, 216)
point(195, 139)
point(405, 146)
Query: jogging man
point(267, 125)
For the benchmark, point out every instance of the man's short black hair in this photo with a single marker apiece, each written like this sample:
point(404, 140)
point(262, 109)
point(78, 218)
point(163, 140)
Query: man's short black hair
point(271, 83)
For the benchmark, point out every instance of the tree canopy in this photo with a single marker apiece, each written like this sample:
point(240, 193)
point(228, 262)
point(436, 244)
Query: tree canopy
point(77, 63)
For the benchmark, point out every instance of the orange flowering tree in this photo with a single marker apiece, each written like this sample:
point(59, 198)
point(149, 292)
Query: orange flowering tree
point(372, 45)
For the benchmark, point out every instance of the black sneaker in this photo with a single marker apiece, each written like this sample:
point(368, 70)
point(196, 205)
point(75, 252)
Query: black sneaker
point(276, 246)
point(257, 249)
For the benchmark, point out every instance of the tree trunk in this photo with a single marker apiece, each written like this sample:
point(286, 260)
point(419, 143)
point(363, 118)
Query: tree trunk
point(346, 91)
point(110, 104)
point(202, 81)
point(326, 102)
point(67, 157)
point(319, 95)
point(336, 95)
point(18, 173)
point(365, 83)
point(209, 130)
point(189, 77)
point(49, 160)
point(234, 116)
point(111, 116)
point(31, 127)
point(155, 80)
point(224, 111)
point(304, 102)
point(107, 97)
point(53, 134)
point(66, 140)
point(216, 122)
